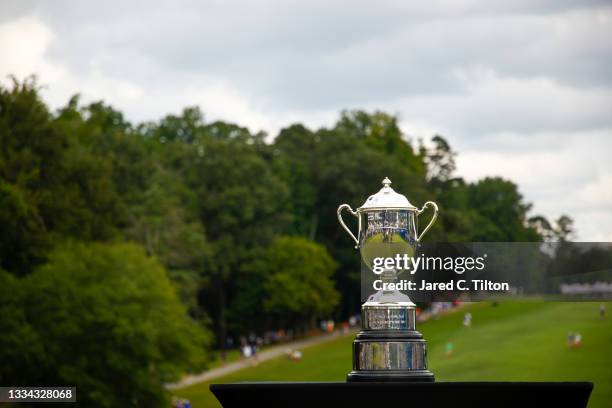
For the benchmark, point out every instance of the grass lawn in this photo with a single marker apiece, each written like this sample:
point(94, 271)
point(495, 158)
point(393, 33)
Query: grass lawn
point(231, 356)
point(510, 342)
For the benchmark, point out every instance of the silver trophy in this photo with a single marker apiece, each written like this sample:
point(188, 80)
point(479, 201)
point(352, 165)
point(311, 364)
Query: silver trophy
point(388, 347)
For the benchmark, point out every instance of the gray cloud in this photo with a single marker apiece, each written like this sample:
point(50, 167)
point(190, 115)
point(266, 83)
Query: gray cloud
point(339, 52)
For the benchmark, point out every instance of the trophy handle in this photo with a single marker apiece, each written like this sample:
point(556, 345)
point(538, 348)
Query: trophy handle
point(433, 218)
point(339, 212)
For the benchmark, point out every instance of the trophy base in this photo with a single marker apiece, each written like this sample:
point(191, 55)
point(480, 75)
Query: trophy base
point(388, 348)
point(391, 376)
point(390, 356)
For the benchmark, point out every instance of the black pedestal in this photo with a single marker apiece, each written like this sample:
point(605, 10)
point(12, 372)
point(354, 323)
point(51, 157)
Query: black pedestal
point(418, 395)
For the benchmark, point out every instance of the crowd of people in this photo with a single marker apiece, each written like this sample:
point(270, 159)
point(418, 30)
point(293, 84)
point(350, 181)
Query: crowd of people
point(250, 345)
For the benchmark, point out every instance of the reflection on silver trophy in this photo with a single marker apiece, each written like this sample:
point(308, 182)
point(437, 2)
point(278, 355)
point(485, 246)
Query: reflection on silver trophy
point(388, 348)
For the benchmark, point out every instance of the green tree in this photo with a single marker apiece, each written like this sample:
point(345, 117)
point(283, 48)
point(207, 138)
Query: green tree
point(299, 283)
point(381, 132)
point(163, 223)
point(440, 160)
point(501, 212)
point(291, 281)
point(31, 168)
point(53, 183)
point(237, 198)
point(186, 127)
point(100, 133)
point(21, 346)
point(294, 151)
point(564, 228)
point(104, 318)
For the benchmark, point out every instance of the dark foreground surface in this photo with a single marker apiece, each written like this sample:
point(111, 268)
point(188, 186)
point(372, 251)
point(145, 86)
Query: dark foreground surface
point(426, 395)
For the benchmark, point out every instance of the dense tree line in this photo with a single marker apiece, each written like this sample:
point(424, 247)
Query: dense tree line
point(127, 251)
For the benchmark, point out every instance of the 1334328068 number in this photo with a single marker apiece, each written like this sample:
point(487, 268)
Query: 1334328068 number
point(37, 394)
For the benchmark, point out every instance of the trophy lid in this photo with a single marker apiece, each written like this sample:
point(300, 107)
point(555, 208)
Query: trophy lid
point(387, 198)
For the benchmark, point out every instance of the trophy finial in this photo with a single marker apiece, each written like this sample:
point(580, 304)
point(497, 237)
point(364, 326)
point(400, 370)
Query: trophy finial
point(386, 182)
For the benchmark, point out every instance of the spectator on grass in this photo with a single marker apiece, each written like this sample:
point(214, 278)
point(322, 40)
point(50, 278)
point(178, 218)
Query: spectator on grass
point(448, 349)
point(574, 339)
point(577, 340)
point(467, 319)
point(293, 355)
point(247, 351)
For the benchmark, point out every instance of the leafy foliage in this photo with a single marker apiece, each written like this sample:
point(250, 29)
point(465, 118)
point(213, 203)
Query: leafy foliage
point(291, 281)
point(104, 318)
point(299, 279)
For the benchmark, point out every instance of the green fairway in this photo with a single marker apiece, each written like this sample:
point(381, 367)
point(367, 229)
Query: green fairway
point(510, 342)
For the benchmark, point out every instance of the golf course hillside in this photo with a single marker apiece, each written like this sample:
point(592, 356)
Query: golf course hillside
point(509, 341)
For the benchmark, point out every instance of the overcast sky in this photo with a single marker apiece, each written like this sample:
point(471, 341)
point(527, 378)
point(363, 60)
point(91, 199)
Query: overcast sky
point(520, 89)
